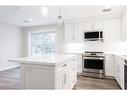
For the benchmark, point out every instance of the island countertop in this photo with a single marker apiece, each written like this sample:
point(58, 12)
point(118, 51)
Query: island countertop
point(51, 60)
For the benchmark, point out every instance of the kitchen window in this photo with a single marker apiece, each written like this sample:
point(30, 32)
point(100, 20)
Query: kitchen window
point(43, 43)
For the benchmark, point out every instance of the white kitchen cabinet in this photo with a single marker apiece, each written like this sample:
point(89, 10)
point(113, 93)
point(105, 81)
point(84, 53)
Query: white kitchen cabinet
point(121, 76)
point(119, 70)
point(62, 77)
point(74, 32)
point(88, 26)
point(109, 67)
point(72, 74)
point(98, 25)
point(79, 63)
point(93, 25)
point(111, 31)
point(78, 30)
point(66, 75)
point(116, 61)
point(69, 33)
point(41, 76)
point(123, 22)
point(35, 76)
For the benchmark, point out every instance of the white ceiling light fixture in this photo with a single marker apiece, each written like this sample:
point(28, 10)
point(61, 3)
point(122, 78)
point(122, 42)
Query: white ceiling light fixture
point(44, 11)
point(107, 9)
point(28, 20)
point(60, 14)
point(60, 18)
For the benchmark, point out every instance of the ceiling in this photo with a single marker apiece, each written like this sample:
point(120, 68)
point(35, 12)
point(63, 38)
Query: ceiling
point(16, 15)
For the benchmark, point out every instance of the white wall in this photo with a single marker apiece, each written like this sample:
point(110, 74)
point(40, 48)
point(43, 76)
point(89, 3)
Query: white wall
point(10, 45)
point(28, 30)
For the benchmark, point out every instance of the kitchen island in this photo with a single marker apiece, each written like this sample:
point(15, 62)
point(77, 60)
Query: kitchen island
point(56, 71)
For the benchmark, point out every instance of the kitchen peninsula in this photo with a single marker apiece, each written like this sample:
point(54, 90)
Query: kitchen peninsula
point(56, 71)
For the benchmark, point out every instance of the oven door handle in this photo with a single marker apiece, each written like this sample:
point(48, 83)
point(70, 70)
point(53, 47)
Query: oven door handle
point(93, 58)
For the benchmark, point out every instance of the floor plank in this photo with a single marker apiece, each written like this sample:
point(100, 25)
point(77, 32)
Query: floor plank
point(95, 83)
point(10, 79)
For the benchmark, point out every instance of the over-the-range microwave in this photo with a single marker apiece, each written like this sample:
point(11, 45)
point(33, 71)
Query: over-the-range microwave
point(93, 35)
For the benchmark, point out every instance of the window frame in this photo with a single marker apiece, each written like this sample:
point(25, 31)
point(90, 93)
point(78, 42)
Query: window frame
point(37, 32)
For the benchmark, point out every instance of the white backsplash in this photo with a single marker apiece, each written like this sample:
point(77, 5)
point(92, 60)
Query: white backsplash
point(115, 47)
point(74, 48)
point(93, 46)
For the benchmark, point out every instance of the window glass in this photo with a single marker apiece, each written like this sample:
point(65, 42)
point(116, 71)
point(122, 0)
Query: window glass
point(43, 43)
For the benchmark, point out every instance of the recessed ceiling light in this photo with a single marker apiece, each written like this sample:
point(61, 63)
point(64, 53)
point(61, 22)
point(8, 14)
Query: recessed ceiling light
point(28, 20)
point(44, 11)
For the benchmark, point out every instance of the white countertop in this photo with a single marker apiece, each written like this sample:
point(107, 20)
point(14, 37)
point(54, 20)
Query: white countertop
point(51, 60)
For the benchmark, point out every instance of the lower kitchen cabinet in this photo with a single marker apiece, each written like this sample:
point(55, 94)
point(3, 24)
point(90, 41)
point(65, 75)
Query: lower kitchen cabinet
point(62, 76)
point(66, 76)
point(109, 65)
point(37, 77)
point(114, 66)
point(119, 70)
point(79, 63)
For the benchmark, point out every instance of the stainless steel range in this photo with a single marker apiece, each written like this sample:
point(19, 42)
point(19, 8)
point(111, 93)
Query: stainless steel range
point(93, 64)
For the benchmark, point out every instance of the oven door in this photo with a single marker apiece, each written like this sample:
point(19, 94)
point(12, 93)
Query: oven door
point(93, 64)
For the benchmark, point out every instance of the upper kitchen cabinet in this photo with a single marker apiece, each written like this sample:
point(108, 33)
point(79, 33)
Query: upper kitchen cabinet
point(78, 29)
point(69, 32)
point(73, 32)
point(93, 25)
point(112, 30)
point(123, 23)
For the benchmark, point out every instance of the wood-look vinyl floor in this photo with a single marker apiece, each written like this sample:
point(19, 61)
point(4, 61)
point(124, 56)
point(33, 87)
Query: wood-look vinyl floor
point(96, 84)
point(10, 79)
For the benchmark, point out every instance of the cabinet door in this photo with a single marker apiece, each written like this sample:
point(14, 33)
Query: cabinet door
point(94, 25)
point(121, 76)
point(116, 68)
point(79, 63)
point(61, 81)
point(98, 25)
point(58, 79)
point(111, 31)
point(72, 73)
point(69, 33)
point(109, 65)
point(65, 79)
point(119, 70)
point(78, 31)
point(124, 27)
point(37, 77)
point(88, 26)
